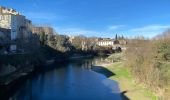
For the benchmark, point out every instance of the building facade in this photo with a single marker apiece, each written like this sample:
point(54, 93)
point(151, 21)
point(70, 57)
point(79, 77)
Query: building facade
point(5, 35)
point(105, 43)
point(39, 30)
point(4, 10)
point(19, 26)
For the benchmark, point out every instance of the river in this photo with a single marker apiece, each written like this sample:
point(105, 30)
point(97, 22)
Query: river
point(71, 80)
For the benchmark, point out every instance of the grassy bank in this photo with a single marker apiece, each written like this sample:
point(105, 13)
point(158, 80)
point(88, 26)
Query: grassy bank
point(132, 90)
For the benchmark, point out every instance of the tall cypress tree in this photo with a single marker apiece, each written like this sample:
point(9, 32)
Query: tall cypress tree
point(116, 37)
point(122, 37)
point(42, 38)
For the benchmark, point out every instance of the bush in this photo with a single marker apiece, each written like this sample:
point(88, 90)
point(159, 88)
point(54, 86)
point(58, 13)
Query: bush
point(148, 61)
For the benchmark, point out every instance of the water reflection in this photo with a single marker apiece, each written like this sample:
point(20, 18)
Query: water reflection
point(73, 81)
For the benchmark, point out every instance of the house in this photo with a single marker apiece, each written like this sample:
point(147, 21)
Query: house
point(19, 26)
point(122, 42)
point(115, 44)
point(39, 29)
point(105, 42)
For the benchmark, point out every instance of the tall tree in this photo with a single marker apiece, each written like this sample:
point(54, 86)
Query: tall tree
point(122, 37)
point(116, 37)
point(42, 38)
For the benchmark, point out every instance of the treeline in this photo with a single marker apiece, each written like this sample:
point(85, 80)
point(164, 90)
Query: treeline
point(73, 45)
point(149, 63)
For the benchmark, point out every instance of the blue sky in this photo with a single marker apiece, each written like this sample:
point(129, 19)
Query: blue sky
point(102, 18)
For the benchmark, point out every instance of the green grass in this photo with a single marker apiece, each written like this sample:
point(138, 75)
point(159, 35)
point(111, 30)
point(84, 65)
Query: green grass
point(126, 82)
point(115, 57)
point(119, 70)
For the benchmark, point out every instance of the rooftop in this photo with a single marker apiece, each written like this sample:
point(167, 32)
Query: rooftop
point(5, 10)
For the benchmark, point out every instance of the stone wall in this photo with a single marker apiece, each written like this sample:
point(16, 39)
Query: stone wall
point(5, 35)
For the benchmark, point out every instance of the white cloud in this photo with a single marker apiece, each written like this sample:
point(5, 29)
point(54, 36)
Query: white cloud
point(150, 28)
point(115, 27)
point(76, 31)
point(148, 31)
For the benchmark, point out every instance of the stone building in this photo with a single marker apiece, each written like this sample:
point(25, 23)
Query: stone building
point(4, 10)
point(5, 35)
point(122, 42)
point(19, 26)
point(110, 42)
point(105, 42)
point(39, 30)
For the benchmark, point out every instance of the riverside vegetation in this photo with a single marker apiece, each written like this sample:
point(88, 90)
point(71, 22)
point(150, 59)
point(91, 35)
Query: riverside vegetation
point(144, 68)
point(149, 63)
point(128, 86)
point(41, 48)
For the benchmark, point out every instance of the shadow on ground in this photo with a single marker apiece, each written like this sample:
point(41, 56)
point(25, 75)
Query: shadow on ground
point(124, 97)
point(108, 73)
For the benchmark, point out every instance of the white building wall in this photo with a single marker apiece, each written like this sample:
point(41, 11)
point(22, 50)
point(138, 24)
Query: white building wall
point(9, 22)
point(5, 10)
point(13, 27)
point(5, 21)
point(15, 22)
point(105, 43)
point(19, 25)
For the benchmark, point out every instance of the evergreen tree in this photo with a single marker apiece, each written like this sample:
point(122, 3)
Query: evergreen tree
point(122, 37)
point(116, 37)
point(42, 38)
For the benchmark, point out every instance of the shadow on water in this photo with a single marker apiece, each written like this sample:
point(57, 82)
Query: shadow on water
point(124, 97)
point(78, 75)
point(108, 73)
point(103, 71)
point(66, 80)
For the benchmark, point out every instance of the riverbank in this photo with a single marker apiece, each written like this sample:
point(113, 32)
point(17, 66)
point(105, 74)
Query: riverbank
point(132, 90)
point(11, 80)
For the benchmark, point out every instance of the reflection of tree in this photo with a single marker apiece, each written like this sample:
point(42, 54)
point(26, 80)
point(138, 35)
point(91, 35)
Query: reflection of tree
point(88, 64)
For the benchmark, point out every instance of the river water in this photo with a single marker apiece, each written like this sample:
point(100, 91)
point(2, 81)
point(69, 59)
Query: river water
point(71, 80)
